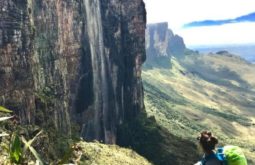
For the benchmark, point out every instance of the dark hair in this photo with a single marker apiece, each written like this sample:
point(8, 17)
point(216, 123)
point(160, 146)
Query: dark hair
point(207, 141)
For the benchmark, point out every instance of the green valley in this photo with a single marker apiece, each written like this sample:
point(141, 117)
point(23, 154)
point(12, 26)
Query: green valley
point(213, 92)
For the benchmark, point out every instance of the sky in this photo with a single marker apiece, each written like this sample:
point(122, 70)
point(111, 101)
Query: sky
point(182, 12)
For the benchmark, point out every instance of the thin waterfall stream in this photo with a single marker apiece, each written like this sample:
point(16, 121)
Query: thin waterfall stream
point(99, 62)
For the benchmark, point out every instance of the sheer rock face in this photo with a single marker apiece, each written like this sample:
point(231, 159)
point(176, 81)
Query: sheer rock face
point(73, 61)
point(161, 41)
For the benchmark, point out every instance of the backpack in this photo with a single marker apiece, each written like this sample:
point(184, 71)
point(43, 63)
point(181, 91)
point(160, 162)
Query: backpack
point(228, 155)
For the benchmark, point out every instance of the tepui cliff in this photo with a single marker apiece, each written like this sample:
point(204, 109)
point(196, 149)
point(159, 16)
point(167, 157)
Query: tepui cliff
point(161, 41)
point(73, 61)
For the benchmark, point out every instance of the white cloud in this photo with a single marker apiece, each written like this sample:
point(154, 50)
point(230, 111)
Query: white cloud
point(179, 12)
point(236, 33)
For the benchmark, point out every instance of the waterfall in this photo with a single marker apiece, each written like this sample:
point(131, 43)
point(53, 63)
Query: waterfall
point(99, 66)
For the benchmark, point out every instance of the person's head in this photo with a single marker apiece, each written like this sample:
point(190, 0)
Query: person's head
point(207, 141)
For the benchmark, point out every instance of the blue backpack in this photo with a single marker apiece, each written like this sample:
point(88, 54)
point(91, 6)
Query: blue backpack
point(228, 155)
point(217, 156)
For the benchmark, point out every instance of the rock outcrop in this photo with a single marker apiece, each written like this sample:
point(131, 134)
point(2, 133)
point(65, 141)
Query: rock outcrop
point(65, 61)
point(161, 41)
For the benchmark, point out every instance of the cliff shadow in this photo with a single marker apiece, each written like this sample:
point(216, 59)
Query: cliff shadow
point(155, 143)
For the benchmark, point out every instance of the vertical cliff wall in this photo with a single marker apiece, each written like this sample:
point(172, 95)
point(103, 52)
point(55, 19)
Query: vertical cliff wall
point(161, 41)
point(73, 61)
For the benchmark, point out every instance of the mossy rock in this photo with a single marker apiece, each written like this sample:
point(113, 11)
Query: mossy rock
point(101, 154)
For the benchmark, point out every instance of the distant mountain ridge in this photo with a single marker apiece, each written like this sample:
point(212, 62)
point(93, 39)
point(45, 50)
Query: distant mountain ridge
point(246, 18)
point(246, 52)
point(161, 41)
point(161, 44)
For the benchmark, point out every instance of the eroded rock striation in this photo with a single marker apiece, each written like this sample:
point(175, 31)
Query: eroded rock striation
point(73, 61)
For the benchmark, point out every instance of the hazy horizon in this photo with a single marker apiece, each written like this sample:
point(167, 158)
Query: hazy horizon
point(245, 51)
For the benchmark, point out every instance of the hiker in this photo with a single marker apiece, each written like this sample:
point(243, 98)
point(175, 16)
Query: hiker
point(208, 143)
point(227, 155)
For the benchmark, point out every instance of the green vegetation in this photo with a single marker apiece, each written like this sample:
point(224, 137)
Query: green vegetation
point(215, 92)
point(155, 143)
point(46, 95)
point(160, 62)
point(55, 148)
point(182, 98)
point(101, 154)
point(15, 149)
point(13, 144)
point(5, 110)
